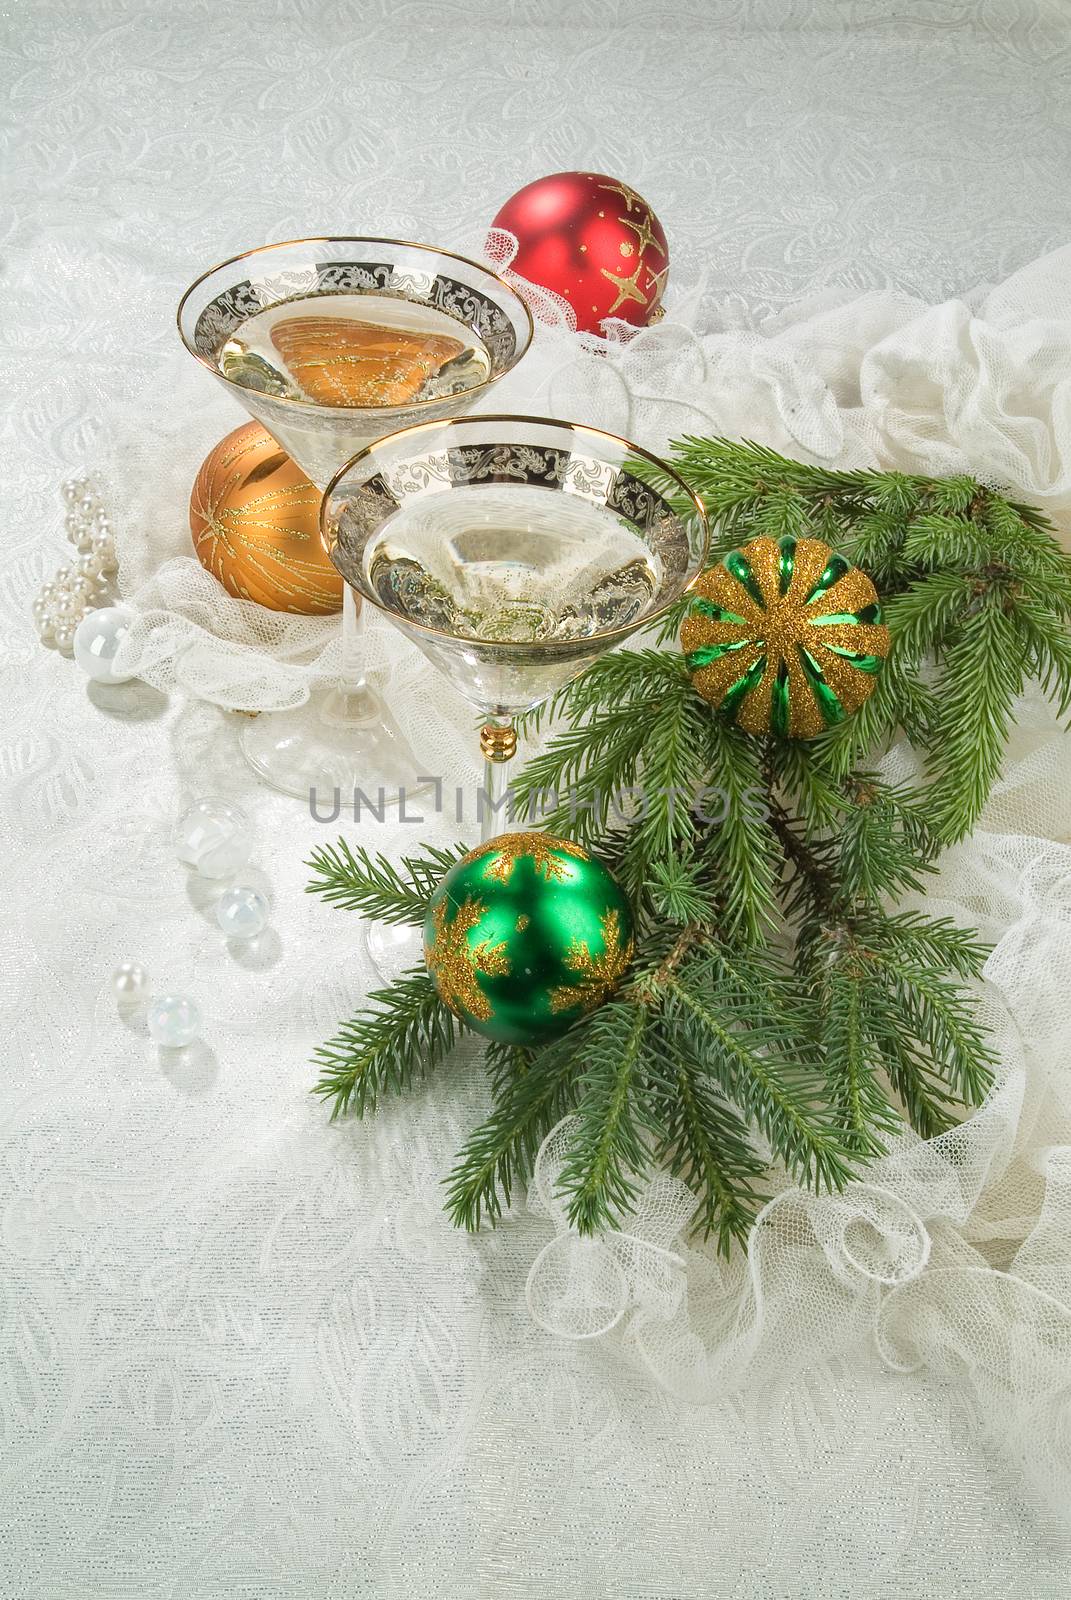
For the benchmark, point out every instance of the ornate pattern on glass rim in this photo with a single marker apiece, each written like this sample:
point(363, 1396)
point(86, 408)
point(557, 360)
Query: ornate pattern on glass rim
point(368, 504)
point(229, 310)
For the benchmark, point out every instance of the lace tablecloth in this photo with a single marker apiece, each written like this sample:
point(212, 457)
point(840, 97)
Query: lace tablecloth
point(241, 1352)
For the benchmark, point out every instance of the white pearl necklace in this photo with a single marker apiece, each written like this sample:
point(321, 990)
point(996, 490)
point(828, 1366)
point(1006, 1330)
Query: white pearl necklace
point(73, 590)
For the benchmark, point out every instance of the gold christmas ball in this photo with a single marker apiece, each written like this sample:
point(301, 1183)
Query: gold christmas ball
point(785, 637)
point(255, 521)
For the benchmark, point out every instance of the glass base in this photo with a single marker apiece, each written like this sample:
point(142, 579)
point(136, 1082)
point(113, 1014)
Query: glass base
point(341, 742)
point(393, 949)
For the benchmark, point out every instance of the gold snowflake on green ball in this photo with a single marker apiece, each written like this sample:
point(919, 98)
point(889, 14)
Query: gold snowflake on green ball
point(540, 848)
point(455, 964)
point(599, 975)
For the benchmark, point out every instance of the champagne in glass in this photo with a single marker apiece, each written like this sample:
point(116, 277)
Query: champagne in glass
point(513, 550)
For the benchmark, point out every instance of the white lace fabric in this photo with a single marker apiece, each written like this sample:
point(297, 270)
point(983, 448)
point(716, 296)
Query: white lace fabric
point(242, 1353)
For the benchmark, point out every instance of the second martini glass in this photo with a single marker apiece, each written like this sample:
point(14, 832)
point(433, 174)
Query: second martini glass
point(331, 343)
point(514, 551)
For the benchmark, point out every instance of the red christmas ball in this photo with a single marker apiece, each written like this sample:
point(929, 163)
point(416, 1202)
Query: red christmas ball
point(592, 240)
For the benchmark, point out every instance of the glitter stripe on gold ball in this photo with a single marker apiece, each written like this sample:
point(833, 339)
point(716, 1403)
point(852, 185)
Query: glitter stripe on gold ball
point(785, 637)
point(255, 523)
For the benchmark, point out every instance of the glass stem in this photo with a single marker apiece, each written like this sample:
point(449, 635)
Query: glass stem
point(352, 680)
point(498, 744)
point(352, 699)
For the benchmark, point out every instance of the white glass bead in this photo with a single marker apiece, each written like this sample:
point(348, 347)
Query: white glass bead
point(71, 490)
point(69, 607)
point(213, 837)
point(87, 505)
point(130, 983)
point(40, 609)
point(98, 639)
point(242, 912)
point(174, 1020)
point(104, 546)
point(64, 638)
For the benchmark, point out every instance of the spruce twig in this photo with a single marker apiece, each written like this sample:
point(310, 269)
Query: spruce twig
point(781, 1007)
point(382, 1050)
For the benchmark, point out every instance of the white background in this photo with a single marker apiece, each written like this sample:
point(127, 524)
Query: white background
point(241, 1352)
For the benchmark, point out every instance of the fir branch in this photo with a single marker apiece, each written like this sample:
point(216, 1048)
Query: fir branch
point(809, 864)
point(427, 871)
point(941, 538)
point(636, 677)
point(778, 1001)
point(672, 754)
point(753, 989)
point(936, 1012)
point(704, 1142)
point(405, 1033)
point(914, 1078)
point(607, 1149)
point(678, 894)
point(863, 1112)
point(933, 942)
point(785, 1101)
point(884, 847)
point(739, 846)
point(532, 1092)
point(355, 880)
point(920, 618)
point(1048, 643)
point(983, 672)
point(582, 775)
point(805, 773)
point(632, 716)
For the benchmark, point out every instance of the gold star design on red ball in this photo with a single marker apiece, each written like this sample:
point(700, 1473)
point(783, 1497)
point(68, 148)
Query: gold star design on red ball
point(627, 194)
point(644, 236)
point(627, 288)
point(658, 281)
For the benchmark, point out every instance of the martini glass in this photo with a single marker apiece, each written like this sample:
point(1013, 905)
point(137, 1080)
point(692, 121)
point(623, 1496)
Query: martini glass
point(331, 343)
point(514, 551)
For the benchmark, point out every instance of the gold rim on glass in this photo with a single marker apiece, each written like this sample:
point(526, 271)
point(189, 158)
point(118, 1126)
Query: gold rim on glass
point(623, 631)
point(357, 238)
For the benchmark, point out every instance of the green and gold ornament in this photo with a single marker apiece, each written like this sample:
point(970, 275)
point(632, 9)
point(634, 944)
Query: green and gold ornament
point(785, 637)
point(526, 934)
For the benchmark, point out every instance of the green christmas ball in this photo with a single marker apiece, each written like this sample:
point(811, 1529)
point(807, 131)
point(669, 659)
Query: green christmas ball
point(524, 935)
